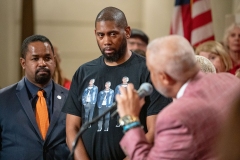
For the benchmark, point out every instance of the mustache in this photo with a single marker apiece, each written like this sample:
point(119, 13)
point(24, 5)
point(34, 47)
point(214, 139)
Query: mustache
point(108, 48)
point(43, 69)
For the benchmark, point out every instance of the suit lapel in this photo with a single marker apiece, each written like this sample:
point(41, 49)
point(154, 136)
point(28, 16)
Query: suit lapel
point(58, 99)
point(22, 95)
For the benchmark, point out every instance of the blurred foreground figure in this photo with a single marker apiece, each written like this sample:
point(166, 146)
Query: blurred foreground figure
point(187, 128)
point(229, 142)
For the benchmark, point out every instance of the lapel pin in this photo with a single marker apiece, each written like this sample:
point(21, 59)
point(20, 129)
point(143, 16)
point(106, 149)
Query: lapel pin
point(59, 97)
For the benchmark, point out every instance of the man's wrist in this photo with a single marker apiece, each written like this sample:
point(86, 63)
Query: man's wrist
point(131, 126)
point(128, 122)
point(127, 119)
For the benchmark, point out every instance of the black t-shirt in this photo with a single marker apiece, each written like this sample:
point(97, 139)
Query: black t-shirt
point(89, 87)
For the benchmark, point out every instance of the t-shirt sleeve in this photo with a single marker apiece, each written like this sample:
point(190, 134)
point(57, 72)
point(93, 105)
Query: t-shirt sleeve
point(72, 104)
point(157, 103)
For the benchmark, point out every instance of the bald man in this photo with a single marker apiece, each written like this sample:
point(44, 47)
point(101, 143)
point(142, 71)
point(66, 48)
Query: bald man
point(187, 129)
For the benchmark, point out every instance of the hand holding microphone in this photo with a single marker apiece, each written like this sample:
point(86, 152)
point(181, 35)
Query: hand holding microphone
point(130, 101)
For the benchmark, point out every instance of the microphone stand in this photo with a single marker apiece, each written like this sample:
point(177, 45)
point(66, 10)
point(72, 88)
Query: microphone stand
point(84, 128)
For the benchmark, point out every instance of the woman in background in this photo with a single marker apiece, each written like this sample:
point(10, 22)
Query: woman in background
point(58, 76)
point(216, 53)
point(231, 41)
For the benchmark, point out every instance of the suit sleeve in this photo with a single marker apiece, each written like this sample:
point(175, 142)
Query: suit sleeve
point(172, 141)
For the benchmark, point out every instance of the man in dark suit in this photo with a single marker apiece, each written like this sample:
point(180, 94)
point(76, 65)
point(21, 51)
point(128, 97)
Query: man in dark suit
point(20, 135)
point(187, 129)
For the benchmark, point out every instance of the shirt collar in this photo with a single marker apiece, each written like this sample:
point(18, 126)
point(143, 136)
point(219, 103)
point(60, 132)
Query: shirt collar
point(182, 89)
point(34, 89)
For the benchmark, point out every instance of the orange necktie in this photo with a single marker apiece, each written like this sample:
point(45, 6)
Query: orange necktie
point(42, 114)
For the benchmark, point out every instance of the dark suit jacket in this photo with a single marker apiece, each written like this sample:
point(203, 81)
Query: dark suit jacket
point(188, 127)
point(20, 138)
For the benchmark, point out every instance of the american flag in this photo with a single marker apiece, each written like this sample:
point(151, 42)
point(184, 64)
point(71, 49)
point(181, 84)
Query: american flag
point(193, 20)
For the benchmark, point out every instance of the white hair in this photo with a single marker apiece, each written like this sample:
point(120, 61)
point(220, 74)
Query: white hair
point(174, 55)
point(227, 32)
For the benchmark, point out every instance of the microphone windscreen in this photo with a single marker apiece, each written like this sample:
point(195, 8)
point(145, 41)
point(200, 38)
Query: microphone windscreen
point(145, 90)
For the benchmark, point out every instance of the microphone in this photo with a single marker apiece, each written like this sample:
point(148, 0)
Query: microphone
point(144, 90)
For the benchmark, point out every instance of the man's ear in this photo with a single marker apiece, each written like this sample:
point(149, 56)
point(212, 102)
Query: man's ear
point(167, 79)
point(23, 63)
point(128, 32)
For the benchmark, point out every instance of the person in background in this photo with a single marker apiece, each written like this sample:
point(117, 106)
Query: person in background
point(231, 41)
point(32, 125)
point(138, 41)
point(186, 129)
point(58, 76)
point(216, 53)
point(205, 64)
point(116, 62)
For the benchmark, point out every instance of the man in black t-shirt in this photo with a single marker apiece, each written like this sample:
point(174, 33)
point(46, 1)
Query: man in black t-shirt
point(116, 62)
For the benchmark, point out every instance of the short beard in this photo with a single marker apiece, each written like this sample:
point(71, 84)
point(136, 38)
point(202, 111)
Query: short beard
point(43, 79)
point(118, 54)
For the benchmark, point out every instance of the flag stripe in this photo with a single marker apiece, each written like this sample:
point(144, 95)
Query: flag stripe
point(193, 20)
point(194, 1)
point(202, 19)
point(177, 26)
point(204, 40)
point(181, 2)
point(200, 7)
point(201, 33)
point(186, 18)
